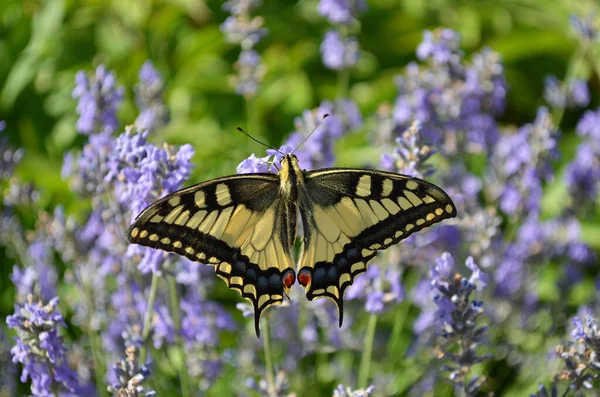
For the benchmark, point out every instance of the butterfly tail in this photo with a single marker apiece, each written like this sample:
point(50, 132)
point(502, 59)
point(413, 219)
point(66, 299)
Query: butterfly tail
point(257, 314)
point(340, 305)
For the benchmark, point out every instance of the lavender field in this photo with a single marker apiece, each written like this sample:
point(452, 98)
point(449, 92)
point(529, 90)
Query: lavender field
point(107, 106)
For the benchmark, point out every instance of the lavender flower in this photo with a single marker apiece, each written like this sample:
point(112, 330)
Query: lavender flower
point(9, 157)
point(442, 47)
point(255, 164)
point(584, 27)
point(583, 173)
point(341, 11)
point(539, 242)
point(40, 276)
point(456, 321)
point(378, 287)
point(87, 171)
point(243, 29)
point(581, 356)
point(140, 173)
point(250, 73)
point(342, 391)
point(125, 326)
point(588, 126)
point(153, 112)
point(18, 193)
point(128, 375)
point(579, 93)
point(280, 388)
point(339, 52)
point(573, 94)
point(543, 391)
point(39, 348)
point(410, 155)
point(240, 29)
point(553, 92)
point(455, 102)
point(99, 97)
point(202, 320)
point(521, 162)
point(240, 7)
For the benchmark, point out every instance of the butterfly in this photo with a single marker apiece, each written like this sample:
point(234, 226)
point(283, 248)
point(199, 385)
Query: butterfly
point(245, 227)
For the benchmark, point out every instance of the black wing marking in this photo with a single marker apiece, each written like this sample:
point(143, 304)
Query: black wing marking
point(236, 224)
point(350, 214)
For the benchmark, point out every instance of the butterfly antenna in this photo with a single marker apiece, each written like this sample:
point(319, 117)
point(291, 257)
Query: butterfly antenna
point(257, 141)
point(313, 130)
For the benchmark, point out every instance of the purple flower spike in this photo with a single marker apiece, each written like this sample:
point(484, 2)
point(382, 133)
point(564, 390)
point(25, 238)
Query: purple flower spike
point(341, 11)
point(580, 356)
point(40, 349)
point(128, 374)
point(442, 47)
point(338, 52)
point(584, 27)
point(455, 318)
point(99, 97)
point(243, 29)
point(153, 112)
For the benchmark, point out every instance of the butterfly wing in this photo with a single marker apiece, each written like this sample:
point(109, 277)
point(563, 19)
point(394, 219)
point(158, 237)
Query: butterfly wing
point(237, 224)
point(350, 214)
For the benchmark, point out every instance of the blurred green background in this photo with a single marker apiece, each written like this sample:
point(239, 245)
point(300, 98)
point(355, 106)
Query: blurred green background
point(44, 43)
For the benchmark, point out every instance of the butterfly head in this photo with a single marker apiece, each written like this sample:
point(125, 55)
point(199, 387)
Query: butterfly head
point(289, 158)
point(289, 166)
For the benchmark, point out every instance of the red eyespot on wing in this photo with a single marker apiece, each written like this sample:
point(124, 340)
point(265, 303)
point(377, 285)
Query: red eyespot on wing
point(304, 277)
point(289, 278)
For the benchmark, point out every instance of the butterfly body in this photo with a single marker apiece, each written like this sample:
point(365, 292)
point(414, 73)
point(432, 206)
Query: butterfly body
point(245, 226)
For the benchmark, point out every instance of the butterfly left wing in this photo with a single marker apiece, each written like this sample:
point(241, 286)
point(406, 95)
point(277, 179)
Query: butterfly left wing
point(238, 224)
point(350, 214)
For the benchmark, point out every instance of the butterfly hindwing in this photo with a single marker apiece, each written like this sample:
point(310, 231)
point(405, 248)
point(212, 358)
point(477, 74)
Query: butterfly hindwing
point(350, 214)
point(237, 224)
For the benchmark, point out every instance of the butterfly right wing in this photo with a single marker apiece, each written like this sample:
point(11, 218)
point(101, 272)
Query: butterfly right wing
point(350, 214)
point(238, 224)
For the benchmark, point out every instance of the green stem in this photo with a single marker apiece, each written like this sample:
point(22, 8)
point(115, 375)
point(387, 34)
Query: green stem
point(399, 321)
point(252, 117)
point(595, 64)
point(365, 362)
point(343, 83)
point(98, 370)
point(148, 317)
point(343, 80)
point(268, 359)
point(572, 71)
point(175, 310)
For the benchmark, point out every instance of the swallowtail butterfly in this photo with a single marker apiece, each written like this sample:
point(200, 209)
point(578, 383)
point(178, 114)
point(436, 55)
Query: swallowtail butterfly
point(245, 227)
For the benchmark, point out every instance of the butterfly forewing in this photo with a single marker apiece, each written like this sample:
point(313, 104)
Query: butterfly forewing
point(237, 224)
point(350, 214)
